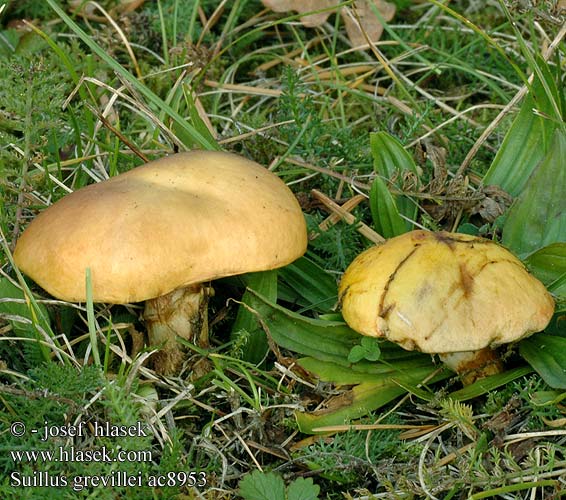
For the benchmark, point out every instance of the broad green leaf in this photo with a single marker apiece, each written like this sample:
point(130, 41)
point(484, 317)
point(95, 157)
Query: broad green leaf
point(13, 304)
point(390, 158)
point(349, 405)
point(547, 355)
point(528, 140)
point(520, 152)
point(327, 345)
point(325, 340)
point(391, 161)
point(384, 212)
point(307, 284)
point(262, 486)
point(303, 489)
point(547, 398)
point(368, 349)
point(557, 325)
point(264, 283)
point(549, 265)
point(362, 399)
point(358, 373)
point(538, 216)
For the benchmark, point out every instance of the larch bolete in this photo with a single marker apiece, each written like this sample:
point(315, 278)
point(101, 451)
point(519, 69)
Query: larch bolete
point(450, 294)
point(158, 232)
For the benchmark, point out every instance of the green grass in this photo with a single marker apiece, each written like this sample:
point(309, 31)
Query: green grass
point(76, 107)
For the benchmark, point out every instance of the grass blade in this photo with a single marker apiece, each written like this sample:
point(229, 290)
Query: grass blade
point(484, 385)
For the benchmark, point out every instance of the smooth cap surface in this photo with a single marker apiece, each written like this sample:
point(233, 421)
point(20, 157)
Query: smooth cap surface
point(443, 292)
point(187, 218)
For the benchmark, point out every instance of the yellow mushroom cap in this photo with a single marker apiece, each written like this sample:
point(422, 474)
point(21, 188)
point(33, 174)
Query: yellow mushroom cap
point(441, 292)
point(184, 219)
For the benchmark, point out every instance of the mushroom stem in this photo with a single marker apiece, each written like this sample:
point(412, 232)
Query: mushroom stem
point(183, 313)
point(473, 365)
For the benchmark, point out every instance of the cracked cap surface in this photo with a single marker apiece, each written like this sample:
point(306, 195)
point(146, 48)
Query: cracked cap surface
point(441, 292)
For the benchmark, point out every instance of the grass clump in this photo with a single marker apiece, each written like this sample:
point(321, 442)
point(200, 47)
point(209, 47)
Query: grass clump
point(64, 437)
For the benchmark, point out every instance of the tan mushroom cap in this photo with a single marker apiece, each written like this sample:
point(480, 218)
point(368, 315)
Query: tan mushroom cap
point(443, 292)
point(184, 219)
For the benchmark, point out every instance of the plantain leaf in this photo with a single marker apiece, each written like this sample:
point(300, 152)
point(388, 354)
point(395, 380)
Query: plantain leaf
point(391, 161)
point(264, 283)
point(547, 355)
point(390, 158)
point(528, 139)
point(549, 265)
point(386, 217)
point(363, 398)
point(307, 284)
point(322, 339)
point(538, 216)
point(520, 151)
point(357, 373)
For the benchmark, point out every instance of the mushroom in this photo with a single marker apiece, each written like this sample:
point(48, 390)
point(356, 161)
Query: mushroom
point(452, 294)
point(158, 232)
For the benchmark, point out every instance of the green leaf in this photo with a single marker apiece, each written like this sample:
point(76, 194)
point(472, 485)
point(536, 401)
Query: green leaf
point(322, 339)
point(390, 158)
point(549, 265)
point(262, 486)
point(520, 152)
point(387, 220)
point(303, 489)
point(356, 354)
point(362, 399)
point(196, 120)
point(547, 398)
point(538, 216)
point(327, 345)
point(484, 385)
point(349, 405)
point(307, 284)
point(357, 373)
point(528, 140)
point(368, 349)
point(391, 161)
point(13, 304)
point(264, 283)
point(547, 355)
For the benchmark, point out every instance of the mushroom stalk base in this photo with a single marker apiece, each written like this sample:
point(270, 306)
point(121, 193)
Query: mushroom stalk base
point(473, 365)
point(183, 313)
